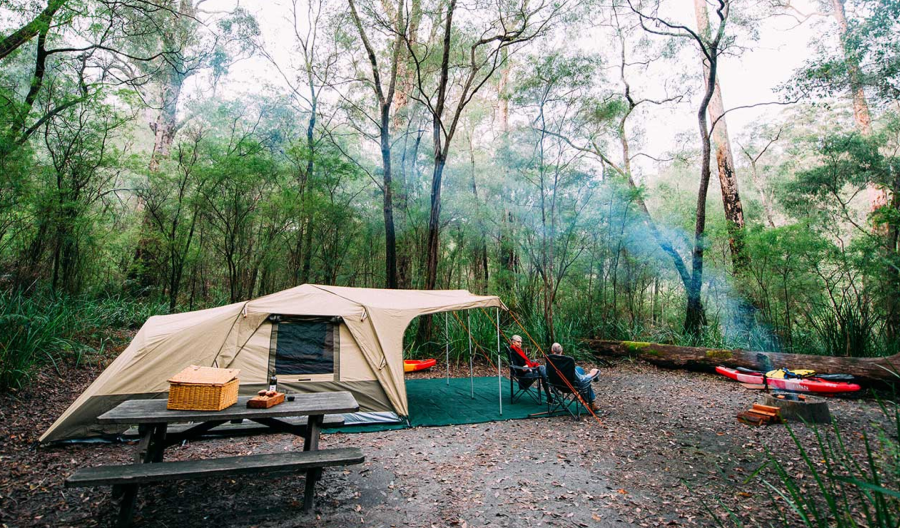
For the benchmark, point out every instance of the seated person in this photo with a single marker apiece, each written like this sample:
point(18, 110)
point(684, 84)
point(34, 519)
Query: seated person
point(516, 346)
point(584, 380)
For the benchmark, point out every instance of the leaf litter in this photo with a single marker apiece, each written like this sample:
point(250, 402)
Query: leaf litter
point(668, 447)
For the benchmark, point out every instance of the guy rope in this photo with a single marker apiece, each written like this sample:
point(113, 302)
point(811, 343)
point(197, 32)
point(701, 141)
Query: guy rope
point(548, 362)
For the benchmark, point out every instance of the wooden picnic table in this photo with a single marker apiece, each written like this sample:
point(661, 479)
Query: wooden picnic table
point(153, 420)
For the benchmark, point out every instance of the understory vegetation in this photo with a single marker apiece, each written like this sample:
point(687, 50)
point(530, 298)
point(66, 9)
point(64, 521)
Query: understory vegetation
point(157, 158)
point(834, 481)
point(37, 329)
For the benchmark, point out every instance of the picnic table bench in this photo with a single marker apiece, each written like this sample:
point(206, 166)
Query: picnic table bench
point(304, 417)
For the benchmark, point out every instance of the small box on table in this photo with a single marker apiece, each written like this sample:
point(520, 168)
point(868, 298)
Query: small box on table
point(265, 399)
point(203, 389)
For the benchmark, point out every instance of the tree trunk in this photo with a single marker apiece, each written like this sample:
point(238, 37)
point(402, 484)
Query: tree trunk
point(731, 199)
point(307, 256)
point(508, 258)
point(434, 224)
point(860, 105)
point(695, 317)
point(384, 104)
point(501, 93)
point(406, 75)
point(878, 196)
point(433, 245)
point(866, 370)
point(35, 26)
point(440, 148)
point(390, 239)
point(166, 123)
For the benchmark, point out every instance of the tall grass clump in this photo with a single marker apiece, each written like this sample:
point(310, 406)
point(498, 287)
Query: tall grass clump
point(850, 329)
point(40, 329)
point(850, 487)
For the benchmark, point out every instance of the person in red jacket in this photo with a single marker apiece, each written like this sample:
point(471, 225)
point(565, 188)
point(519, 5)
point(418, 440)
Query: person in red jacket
point(516, 346)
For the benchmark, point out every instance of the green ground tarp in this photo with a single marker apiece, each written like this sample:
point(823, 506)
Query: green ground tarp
point(434, 403)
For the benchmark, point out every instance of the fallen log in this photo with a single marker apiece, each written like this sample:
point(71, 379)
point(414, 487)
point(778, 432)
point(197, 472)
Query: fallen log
point(865, 370)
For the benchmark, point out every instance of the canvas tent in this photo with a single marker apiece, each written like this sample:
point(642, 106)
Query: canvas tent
point(315, 338)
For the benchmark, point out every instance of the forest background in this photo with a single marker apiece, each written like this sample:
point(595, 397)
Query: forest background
point(572, 157)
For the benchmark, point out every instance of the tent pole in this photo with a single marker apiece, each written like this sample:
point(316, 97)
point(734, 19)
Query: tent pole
point(499, 377)
point(447, 345)
point(471, 376)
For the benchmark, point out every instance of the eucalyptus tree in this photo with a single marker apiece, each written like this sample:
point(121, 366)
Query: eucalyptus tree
point(445, 87)
point(866, 59)
point(550, 95)
point(651, 22)
point(728, 182)
point(172, 201)
point(392, 32)
point(184, 39)
point(863, 64)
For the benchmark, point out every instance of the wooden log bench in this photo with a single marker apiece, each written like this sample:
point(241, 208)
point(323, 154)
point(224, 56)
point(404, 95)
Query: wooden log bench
point(126, 479)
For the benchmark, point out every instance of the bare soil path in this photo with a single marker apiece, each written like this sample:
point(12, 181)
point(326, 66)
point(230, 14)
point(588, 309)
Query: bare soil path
point(667, 444)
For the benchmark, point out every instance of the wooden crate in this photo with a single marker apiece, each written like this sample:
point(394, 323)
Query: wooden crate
point(203, 389)
point(262, 401)
point(760, 415)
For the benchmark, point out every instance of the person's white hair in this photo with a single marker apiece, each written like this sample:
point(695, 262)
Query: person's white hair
point(516, 338)
point(556, 348)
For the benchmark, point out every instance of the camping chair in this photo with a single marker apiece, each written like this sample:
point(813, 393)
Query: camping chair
point(521, 378)
point(561, 379)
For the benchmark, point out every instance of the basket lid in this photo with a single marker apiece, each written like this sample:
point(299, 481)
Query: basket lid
point(195, 375)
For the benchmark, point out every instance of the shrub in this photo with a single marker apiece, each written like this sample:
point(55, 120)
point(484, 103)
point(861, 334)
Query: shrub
point(38, 329)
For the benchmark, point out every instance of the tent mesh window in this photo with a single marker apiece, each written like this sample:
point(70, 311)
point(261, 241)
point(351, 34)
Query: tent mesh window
point(303, 345)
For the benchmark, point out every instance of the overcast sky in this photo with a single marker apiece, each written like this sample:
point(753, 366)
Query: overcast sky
point(748, 79)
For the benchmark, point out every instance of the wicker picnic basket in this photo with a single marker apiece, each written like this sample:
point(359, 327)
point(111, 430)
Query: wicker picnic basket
point(203, 389)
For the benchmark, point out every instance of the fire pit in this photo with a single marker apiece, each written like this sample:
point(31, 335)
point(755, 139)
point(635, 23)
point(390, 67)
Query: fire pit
point(799, 407)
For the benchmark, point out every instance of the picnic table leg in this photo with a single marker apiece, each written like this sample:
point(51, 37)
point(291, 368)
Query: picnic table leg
point(150, 450)
point(157, 444)
point(143, 451)
point(146, 452)
point(126, 507)
point(311, 443)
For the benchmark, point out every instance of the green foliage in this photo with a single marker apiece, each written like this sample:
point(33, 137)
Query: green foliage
point(852, 485)
point(40, 329)
point(228, 197)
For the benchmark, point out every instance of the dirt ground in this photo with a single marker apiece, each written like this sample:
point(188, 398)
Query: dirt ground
point(666, 448)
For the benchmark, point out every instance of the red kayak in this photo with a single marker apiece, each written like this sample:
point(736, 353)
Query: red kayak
point(811, 384)
point(412, 365)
